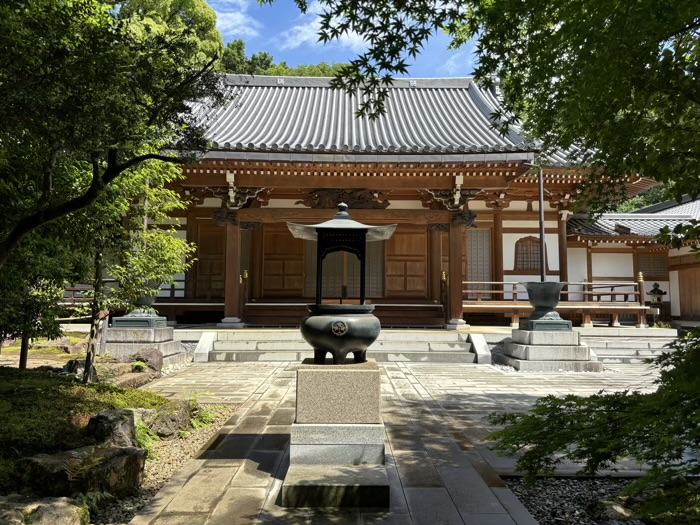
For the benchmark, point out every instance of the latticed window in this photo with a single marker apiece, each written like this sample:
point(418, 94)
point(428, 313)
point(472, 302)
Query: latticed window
point(527, 254)
point(653, 266)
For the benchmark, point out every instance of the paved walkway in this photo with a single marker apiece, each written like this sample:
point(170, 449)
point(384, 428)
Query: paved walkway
point(440, 470)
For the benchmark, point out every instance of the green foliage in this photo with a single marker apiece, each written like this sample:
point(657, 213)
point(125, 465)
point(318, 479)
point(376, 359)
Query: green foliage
point(681, 235)
point(653, 196)
point(113, 84)
point(93, 501)
point(676, 503)
point(139, 366)
point(42, 413)
point(156, 256)
point(614, 83)
point(147, 440)
point(235, 61)
point(660, 429)
point(205, 417)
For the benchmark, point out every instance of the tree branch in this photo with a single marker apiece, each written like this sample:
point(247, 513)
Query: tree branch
point(137, 160)
point(47, 168)
point(97, 187)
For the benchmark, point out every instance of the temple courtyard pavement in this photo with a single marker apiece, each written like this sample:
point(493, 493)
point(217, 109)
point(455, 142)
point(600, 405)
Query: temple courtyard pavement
point(440, 467)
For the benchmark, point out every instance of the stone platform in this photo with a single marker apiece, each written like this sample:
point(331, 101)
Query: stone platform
point(123, 342)
point(337, 440)
point(548, 351)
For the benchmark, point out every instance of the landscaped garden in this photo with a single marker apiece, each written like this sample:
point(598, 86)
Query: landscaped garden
point(108, 448)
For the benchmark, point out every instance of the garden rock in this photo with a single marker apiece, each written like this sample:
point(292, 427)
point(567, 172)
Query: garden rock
point(117, 470)
point(77, 367)
point(46, 511)
point(113, 427)
point(171, 419)
point(144, 415)
point(151, 356)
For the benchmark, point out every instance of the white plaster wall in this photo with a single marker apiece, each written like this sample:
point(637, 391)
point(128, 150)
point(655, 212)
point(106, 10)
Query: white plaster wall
point(285, 203)
point(517, 206)
point(477, 206)
point(578, 269)
point(674, 293)
point(613, 265)
point(210, 202)
point(406, 205)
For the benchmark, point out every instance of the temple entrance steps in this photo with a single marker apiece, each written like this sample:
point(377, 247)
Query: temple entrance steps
point(622, 350)
point(625, 345)
point(429, 346)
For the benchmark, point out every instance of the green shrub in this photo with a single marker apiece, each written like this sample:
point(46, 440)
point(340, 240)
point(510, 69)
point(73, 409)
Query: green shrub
point(147, 440)
point(204, 417)
point(93, 501)
point(659, 429)
point(139, 366)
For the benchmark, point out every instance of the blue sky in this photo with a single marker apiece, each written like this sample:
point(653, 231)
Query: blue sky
point(282, 30)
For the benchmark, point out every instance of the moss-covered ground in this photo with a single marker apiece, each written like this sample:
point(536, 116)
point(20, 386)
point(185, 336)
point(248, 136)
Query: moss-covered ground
point(45, 413)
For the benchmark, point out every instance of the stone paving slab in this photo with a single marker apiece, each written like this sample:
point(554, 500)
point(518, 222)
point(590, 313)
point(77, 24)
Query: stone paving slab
point(438, 461)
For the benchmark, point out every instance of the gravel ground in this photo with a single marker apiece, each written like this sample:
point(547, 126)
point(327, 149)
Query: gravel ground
point(566, 501)
point(172, 455)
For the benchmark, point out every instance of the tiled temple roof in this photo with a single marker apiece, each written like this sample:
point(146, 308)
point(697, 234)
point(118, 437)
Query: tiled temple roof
point(304, 115)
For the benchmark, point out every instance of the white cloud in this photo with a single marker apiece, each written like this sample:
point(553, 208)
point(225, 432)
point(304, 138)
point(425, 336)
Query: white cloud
point(223, 5)
point(306, 33)
point(457, 64)
point(237, 24)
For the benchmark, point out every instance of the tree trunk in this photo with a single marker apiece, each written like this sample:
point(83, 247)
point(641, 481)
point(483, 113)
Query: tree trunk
point(24, 352)
point(95, 309)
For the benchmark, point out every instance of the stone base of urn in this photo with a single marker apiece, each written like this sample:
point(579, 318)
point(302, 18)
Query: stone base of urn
point(548, 351)
point(123, 341)
point(337, 440)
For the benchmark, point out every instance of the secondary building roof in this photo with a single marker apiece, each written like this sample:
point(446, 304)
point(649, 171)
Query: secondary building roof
point(287, 116)
point(686, 207)
point(623, 226)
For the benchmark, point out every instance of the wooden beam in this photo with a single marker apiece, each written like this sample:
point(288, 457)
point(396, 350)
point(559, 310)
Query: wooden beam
point(272, 215)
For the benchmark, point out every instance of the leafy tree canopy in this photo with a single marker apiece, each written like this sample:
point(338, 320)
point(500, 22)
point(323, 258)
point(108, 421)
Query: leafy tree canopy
point(105, 85)
point(615, 83)
point(235, 61)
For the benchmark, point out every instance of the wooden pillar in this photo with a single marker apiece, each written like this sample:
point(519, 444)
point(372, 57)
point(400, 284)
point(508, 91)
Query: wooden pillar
point(456, 277)
point(255, 268)
point(498, 246)
point(435, 263)
point(232, 286)
point(563, 256)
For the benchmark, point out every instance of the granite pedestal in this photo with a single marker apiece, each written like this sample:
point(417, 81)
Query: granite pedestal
point(549, 351)
point(337, 439)
point(123, 342)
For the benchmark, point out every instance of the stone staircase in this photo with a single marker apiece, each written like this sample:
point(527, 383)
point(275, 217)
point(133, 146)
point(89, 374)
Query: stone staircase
point(614, 345)
point(430, 346)
point(622, 350)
